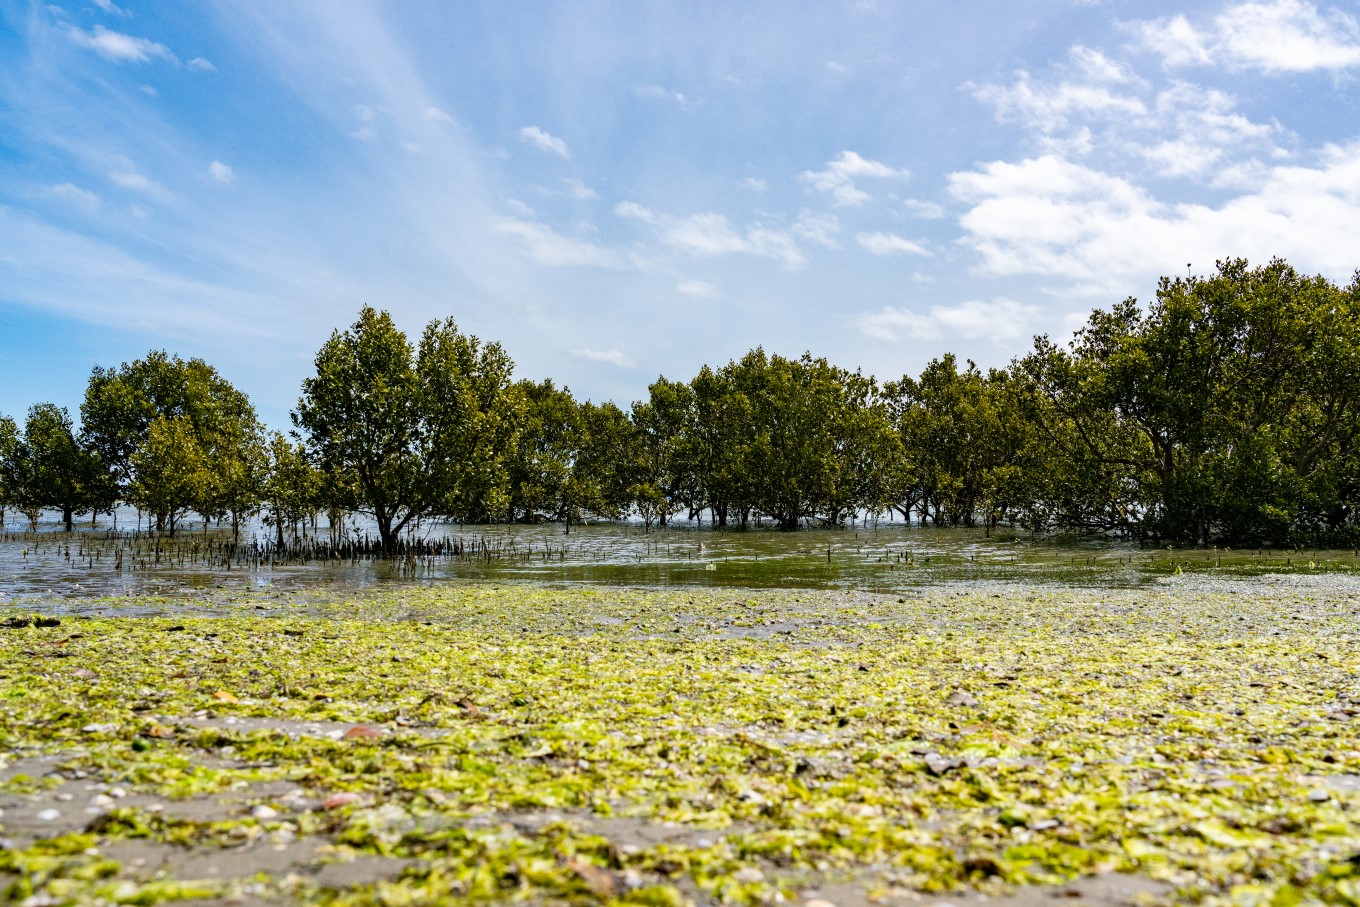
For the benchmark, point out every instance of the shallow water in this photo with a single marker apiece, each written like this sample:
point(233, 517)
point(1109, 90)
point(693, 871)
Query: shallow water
point(54, 566)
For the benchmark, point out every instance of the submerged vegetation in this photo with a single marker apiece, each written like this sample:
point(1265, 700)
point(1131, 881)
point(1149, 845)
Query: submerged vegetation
point(517, 743)
point(1226, 410)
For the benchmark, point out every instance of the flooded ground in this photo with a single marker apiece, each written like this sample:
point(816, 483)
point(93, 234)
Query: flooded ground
point(50, 566)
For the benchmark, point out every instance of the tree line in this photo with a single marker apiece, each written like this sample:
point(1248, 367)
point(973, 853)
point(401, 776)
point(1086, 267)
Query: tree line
point(1223, 410)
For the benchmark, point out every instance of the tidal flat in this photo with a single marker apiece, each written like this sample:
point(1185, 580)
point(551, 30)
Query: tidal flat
point(1023, 743)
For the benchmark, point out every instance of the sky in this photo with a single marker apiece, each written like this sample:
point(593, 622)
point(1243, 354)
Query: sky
point(618, 191)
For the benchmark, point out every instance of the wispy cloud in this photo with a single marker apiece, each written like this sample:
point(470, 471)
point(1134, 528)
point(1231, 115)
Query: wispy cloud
point(544, 141)
point(613, 357)
point(109, 8)
point(118, 47)
point(546, 246)
point(658, 93)
point(838, 178)
point(221, 172)
point(998, 321)
point(72, 192)
point(700, 288)
point(882, 244)
point(712, 234)
point(200, 64)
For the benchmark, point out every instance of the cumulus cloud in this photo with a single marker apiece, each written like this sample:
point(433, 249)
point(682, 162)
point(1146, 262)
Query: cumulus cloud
point(613, 357)
point(882, 244)
point(838, 178)
point(1001, 321)
point(1101, 233)
point(200, 64)
point(1273, 37)
point(542, 140)
point(548, 247)
point(1095, 88)
point(221, 172)
point(1092, 106)
point(118, 47)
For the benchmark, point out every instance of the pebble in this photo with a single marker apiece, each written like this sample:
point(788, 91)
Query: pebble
point(818, 902)
point(117, 793)
point(264, 813)
point(49, 815)
point(64, 797)
point(748, 875)
point(335, 801)
point(1318, 795)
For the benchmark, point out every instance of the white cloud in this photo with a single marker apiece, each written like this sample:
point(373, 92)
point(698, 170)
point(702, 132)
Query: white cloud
point(434, 113)
point(1094, 108)
point(837, 68)
point(1001, 321)
point(72, 192)
point(118, 47)
point(1274, 37)
point(613, 357)
point(221, 172)
point(540, 139)
point(634, 211)
point(890, 244)
point(365, 117)
point(148, 90)
point(699, 288)
point(658, 93)
point(1175, 40)
point(750, 182)
point(579, 190)
point(1103, 234)
point(819, 228)
point(711, 234)
point(1093, 88)
point(131, 179)
point(200, 64)
point(108, 7)
point(548, 247)
point(924, 210)
point(838, 179)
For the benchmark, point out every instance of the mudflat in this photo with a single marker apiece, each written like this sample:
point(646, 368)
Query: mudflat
point(1014, 743)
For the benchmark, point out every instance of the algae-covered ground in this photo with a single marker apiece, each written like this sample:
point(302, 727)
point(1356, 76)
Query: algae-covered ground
point(508, 743)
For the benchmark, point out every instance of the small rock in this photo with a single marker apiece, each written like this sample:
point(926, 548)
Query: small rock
point(962, 699)
point(264, 813)
point(107, 728)
point(818, 902)
point(101, 800)
point(117, 793)
point(344, 798)
point(748, 875)
point(49, 815)
point(937, 765)
point(1318, 795)
point(363, 732)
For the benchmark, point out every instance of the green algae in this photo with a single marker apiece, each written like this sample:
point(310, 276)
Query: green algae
point(780, 739)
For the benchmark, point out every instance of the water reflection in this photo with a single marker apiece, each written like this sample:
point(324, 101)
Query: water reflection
point(93, 562)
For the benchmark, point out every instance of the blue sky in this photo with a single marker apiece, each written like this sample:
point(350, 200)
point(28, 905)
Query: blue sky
point(620, 190)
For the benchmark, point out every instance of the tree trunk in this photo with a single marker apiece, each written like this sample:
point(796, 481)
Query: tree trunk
point(68, 517)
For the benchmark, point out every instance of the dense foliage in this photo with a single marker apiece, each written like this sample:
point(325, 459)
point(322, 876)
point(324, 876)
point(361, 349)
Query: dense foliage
point(1224, 410)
